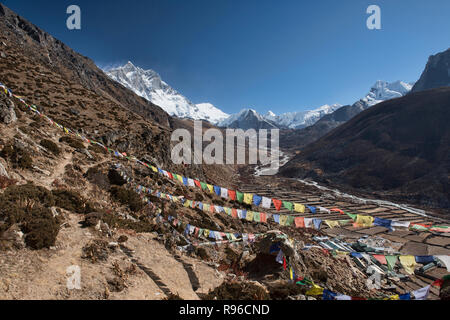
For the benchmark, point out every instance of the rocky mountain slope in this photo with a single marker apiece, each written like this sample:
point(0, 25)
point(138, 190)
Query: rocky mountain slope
point(65, 202)
point(399, 148)
point(149, 85)
point(436, 73)
point(380, 91)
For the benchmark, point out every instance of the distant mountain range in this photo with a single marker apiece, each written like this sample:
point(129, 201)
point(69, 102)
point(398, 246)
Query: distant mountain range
point(381, 91)
point(398, 149)
point(149, 85)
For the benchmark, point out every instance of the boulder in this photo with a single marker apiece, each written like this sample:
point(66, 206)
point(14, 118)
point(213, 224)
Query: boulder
point(3, 171)
point(7, 113)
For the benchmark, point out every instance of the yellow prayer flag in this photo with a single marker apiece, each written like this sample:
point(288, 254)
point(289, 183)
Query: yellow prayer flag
point(248, 198)
point(315, 291)
point(332, 224)
point(210, 188)
point(299, 208)
point(187, 203)
point(249, 216)
point(409, 263)
point(364, 221)
point(283, 220)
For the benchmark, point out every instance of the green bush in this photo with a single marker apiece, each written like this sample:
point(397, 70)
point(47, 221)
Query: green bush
point(51, 146)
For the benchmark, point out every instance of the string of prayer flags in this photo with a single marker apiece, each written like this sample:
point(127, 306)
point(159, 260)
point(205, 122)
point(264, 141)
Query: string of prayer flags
point(408, 263)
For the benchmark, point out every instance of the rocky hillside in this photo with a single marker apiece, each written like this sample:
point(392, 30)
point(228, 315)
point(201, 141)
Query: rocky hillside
point(436, 73)
point(399, 149)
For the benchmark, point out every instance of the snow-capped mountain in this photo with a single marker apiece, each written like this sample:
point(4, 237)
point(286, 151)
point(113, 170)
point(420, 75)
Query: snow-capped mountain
point(293, 120)
point(247, 119)
point(383, 90)
point(379, 92)
point(149, 85)
point(301, 119)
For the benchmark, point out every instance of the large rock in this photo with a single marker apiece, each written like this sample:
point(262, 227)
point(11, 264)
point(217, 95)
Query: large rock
point(3, 171)
point(7, 113)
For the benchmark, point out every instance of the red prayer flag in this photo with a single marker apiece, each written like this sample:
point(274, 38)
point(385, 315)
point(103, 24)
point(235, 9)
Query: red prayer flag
point(438, 283)
point(197, 183)
point(284, 263)
point(170, 175)
point(234, 213)
point(380, 258)
point(232, 194)
point(337, 210)
point(263, 217)
point(300, 222)
point(277, 204)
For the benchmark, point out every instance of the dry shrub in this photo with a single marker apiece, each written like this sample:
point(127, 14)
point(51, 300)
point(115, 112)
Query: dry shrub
point(127, 197)
point(74, 143)
point(72, 201)
point(18, 157)
point(51, 146)
point(28, 206)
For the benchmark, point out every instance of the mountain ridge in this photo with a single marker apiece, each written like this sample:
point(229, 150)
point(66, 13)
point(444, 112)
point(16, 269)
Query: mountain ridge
point(149, 85)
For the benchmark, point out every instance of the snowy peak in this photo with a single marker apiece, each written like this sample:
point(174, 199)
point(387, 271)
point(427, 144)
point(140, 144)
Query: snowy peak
point(149, 85)
point(383, 90)
point(247, 119)
point(294, 120)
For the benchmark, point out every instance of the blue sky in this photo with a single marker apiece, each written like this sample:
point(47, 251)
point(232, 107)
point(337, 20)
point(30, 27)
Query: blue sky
point(269, 55)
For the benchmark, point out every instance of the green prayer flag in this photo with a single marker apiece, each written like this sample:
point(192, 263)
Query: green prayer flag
point(288, 205)
point(290, 220)
point(239, 196)
point(353, 216)
point(257, 217)
point(391, 261)
point(204, 185)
